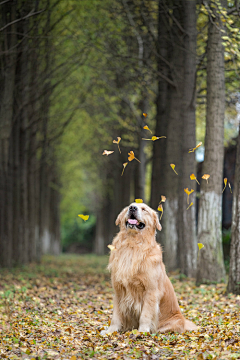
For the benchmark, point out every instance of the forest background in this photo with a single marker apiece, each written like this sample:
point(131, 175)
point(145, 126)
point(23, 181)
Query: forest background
point(75, 75)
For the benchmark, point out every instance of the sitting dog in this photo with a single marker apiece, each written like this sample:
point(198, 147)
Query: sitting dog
point(144, 297)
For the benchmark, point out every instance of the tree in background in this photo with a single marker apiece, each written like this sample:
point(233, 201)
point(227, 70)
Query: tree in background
point(234, 269)
point(210, 266)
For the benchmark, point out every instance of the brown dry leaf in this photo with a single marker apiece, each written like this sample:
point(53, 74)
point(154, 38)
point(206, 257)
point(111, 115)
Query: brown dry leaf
point(117, 142)
point(193, 177)
point(193, 149)
point(124, 165)
point(163, 199)
point(106, 152)
point(188, 192)
point(132, 156)
point(147, 128)
point(206, 177)
point(173, 167)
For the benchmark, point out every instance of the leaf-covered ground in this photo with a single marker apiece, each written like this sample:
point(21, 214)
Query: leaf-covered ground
point(56, 311)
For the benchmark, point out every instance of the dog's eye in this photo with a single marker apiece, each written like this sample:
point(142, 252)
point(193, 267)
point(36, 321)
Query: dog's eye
point(144, 209)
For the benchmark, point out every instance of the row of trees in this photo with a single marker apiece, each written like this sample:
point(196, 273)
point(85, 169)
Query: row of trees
point(98, 66)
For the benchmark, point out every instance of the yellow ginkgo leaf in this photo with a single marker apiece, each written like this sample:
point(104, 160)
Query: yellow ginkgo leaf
point(225, 184)
point(193, 149)
point(190, 205)
point(138, 201)
point(106, 152)
point(163, 198)
point(200, 246)
point(73, 357)
point(117, 142)
point(145, 115)
point(230, 187)
point(188, 192)
point(154, 138)
point(173, 167)
point(160, 208)
point(132, 156)
point(84, 217)
point(147, 128)
point(124, 165)
point(206, 177)
point(193, 177)
point(111, 247)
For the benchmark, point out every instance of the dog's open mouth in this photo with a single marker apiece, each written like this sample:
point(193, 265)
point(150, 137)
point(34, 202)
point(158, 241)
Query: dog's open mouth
point(132, 223)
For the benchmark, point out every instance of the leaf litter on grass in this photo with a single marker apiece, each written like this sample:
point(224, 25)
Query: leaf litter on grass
point(56, 310)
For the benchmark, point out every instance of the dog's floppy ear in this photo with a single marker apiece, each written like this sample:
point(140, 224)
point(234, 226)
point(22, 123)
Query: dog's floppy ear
point(120, 216)
point(157, 222)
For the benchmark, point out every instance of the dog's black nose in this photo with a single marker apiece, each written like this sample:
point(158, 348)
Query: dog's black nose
point(132, 208)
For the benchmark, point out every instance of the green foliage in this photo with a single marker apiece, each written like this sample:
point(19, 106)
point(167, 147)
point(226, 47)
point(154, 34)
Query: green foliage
point(79, 232)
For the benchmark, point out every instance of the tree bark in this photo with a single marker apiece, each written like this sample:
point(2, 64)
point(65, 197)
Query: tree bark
point(234, 270)
point(159, 164)
point(170, 220)
point(187, 243)
point(210, 267)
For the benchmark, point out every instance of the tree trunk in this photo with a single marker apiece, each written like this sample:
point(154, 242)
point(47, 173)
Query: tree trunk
point(234, 270)
point(169, 233)
point(210, 267)
point(187, 243)
point(159, 163)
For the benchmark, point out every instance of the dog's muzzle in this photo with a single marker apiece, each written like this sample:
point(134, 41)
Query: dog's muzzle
point(133, 221)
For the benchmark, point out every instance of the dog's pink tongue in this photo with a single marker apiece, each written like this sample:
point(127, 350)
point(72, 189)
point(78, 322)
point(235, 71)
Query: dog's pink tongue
point(133, 221)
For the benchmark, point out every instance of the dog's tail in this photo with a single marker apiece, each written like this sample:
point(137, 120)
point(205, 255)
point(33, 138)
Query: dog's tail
point(190, 326)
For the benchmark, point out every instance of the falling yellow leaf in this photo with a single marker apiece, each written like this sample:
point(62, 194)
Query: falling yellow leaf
point(193, 149)
point(145, 115)
point(132, 156)
point(173, 167)
point(193, 177)
point(106, 152)
point(154, 138)
point(225, 184)
point(84, 217)
point(124, 165)
point(160, 208)
point(163, 199)
point(200, 246)
point(206, 177)
point(188, 192)
point(117, 142)
point(230, 187)
point(138, 201)
point(111, 247)
point(190, 205)
point(147, 128)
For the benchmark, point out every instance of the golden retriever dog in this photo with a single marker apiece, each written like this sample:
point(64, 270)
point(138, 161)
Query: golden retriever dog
point(144, 297)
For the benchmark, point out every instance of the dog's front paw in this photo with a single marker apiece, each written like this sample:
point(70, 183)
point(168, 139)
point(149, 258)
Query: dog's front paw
point(144, 329)
point(109, 330)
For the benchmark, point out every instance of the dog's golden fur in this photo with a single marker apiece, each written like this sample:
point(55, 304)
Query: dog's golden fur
point(144, 297)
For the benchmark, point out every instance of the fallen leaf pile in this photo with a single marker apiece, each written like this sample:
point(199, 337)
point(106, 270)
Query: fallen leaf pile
point(56, 311)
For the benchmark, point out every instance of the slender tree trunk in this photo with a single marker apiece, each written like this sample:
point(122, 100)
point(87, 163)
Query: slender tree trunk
point(234, 270)
point(187, 243)
point(169, 233)
point(210, 267)
point(159, 164)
